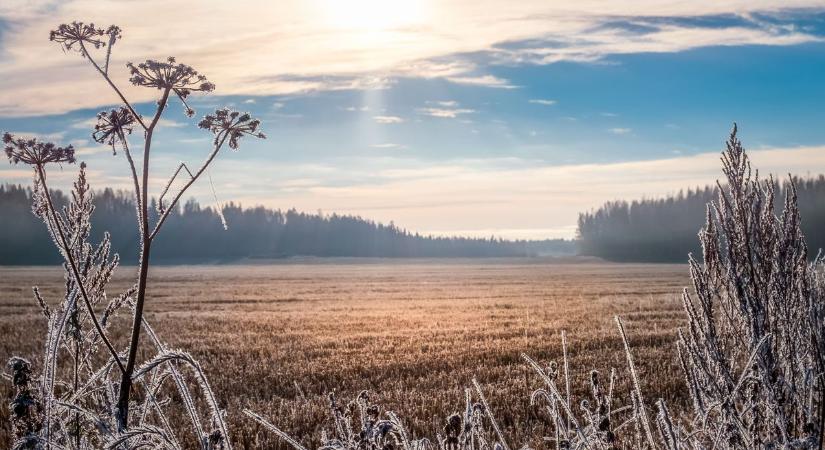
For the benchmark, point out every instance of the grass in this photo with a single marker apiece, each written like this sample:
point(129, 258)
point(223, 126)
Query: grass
point(279, 338)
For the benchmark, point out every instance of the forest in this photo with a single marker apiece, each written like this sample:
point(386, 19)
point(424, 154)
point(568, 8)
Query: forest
point(195, 234)
point(665, 229)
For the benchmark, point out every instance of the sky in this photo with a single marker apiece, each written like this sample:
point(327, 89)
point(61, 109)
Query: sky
point(448, 117)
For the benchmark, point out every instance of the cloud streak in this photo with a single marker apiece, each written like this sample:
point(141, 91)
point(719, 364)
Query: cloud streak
point(387, 119)
point(297, 46)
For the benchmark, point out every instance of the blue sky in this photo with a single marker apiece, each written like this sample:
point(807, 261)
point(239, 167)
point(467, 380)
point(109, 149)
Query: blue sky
point(470, 118)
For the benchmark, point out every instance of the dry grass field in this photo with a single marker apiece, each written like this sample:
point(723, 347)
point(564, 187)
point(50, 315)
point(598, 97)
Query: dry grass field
point(278, 338)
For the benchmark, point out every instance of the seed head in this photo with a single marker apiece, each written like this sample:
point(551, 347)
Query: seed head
point(113, 126)
point(232, 124)
point(34, 152)
point(179, 78)
point(79, 34)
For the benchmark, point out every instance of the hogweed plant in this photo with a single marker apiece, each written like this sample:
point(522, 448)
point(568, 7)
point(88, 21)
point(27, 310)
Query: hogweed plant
point(752, 349)
point(96, 405)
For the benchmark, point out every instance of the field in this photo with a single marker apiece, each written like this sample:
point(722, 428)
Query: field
point(278, 338)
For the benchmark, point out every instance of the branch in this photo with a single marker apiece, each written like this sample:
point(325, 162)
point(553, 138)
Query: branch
point(135, 180)
point(67, 254)
point(147, 147)
point(169, 184)
point(189, 183)
point(105, 75)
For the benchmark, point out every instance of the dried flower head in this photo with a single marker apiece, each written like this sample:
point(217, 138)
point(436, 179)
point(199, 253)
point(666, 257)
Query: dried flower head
point(80, 34)
point(232, 124)
point(115, 33)
point(34, 152)
point(113, 126)
point(179, 78)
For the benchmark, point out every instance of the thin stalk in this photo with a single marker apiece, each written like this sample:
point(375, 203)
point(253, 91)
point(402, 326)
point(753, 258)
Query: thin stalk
point(146, 241)
point(189, 183)
point(112, 84)
point(136, 182)
point(73, 266)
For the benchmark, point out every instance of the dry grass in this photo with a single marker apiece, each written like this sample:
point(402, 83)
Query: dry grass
point(413, 333)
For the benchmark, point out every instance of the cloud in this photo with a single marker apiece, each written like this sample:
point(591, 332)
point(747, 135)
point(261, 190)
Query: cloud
point(89, 124)
point(298, 46)
point(448, 111)
point(49, 137)
point(386, 145)
point(499, 196)
point(539, 101)
point(619, 130)
point(483, 80)
point(387, 119)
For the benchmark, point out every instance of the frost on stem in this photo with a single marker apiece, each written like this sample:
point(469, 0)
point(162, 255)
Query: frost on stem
point(26, 409)
point(752, 350)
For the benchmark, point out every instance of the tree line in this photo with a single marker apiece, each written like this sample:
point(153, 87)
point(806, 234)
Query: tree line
point(195, 234)
point(665, 229)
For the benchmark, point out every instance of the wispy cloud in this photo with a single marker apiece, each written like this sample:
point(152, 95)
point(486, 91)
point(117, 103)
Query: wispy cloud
point(475, 195)
point(483, 80)
point(541, 101)
point(386, 145)
point(446, 109)
point(387, 119)
point(619, 130)
point(40, 136)
point(297, 46)
point(89, 124)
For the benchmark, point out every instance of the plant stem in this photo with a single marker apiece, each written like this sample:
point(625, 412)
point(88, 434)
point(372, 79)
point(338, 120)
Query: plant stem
point(146, 245)
point(73, 266)
point(112, 84)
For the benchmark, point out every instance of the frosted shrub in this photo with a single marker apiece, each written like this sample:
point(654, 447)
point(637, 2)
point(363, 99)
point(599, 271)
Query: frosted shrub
point(90, 393)
point(753, 348)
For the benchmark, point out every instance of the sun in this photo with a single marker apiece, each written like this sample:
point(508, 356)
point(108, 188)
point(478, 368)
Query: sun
point(373, 15)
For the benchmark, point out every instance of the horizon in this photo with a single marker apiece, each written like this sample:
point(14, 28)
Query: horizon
point(446, 118)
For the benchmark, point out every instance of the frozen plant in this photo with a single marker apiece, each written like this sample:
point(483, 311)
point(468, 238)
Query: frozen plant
point(96, 405)
point(753, 349)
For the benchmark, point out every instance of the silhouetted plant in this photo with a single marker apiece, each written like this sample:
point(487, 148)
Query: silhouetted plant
point(92, 407)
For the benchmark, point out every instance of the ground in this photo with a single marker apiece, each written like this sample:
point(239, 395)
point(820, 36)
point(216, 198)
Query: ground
point(279, 338)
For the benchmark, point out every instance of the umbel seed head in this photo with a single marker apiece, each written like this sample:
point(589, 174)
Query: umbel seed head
point(34, 152)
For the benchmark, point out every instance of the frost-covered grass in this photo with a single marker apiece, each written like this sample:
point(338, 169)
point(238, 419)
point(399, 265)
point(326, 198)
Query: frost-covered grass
point(403, 330)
